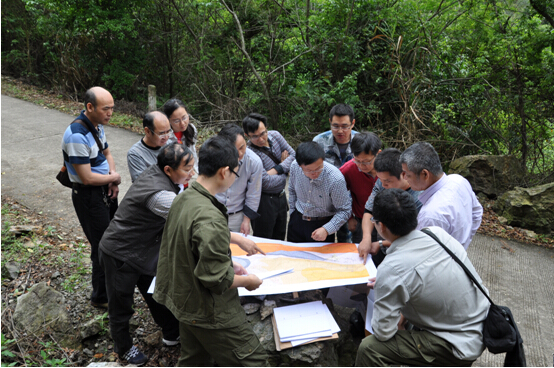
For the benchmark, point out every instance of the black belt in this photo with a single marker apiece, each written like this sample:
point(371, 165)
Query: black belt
point(275, 194)
point(309, 218)
point(83, 186)
point(230, 214)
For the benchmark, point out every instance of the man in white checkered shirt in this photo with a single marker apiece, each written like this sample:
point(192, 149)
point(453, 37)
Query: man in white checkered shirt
point(319, 201)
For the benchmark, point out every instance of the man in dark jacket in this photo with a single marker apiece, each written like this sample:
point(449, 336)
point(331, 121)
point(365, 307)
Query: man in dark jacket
point(130, 246)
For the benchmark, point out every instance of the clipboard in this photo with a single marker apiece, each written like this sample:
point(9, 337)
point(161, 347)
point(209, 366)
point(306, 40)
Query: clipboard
point(287, 345)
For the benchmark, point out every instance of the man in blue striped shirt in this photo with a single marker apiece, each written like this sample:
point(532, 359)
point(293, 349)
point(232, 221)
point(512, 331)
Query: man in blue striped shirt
point(319, 201)
point(95, 182)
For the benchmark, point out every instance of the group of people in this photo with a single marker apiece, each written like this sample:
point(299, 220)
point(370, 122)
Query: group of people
point(340, 183)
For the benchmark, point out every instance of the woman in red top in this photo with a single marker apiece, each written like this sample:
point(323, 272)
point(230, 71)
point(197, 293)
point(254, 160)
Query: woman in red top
point(183, 131)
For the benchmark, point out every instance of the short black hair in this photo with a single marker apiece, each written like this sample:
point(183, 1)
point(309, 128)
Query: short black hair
point(396, 209)
point(169, 108)
point(309, 152)
point(172, 155)
point(421, 155)
point(230, 131)
point(215, 153)
point(365, 142)
point(90, 97)
point(342, 110)
point(251, 123)
point(148, 121)
point(388, 161)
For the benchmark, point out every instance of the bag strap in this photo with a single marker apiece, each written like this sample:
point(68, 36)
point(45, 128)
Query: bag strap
point(92, 131)
point(268, 152)
point(468, 272)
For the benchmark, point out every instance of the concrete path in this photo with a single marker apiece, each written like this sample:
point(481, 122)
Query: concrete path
point(518, 275)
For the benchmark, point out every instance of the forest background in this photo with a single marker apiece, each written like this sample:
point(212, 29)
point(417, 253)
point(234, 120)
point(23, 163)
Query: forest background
point(471, 77)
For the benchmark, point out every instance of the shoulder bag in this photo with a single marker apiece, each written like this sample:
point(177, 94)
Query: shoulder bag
point(500, 333)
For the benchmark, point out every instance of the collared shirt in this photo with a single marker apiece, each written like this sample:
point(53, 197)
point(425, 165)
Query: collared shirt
point(451, 204)
point(331, 148)
point(419, 279)
point(79, 147)
point(160, 202)
point(359, 184)
point(274, 184)
point(325, 196)
point(244, 194)
point(378, 187)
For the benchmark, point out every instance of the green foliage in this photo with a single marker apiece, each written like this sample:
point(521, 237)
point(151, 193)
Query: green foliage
point(470, 77)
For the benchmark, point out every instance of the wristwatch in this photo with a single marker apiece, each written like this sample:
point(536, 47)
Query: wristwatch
point(383, 249)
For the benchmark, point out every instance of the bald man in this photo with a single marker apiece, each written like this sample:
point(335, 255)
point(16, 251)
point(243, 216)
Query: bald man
point(91, 169)
point(144, 153)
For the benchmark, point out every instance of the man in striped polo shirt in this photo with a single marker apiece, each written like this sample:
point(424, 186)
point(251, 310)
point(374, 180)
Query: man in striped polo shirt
point(91, 169)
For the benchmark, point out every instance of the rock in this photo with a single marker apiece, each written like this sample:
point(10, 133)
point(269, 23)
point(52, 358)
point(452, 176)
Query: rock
point(23, 229)
point(503, 220)
point(88, 352)
point(321, 354)
point(530, 233)
point(10, 270)
point(267, 308)
point(41, 309)
point(529, 208)
point(104, 364)
point(489, 174)
point(94, 327)
point(154, 339)
point(251, 308)
point(56, 274)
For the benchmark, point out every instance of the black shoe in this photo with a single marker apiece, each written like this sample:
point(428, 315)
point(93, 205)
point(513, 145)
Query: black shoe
point(135, 356)
point(99, 305)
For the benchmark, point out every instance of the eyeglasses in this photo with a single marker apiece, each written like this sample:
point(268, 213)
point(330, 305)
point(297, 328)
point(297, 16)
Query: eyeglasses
point(340, 127)
point(317, 171)
point(234, 172)
point(162, 134)
point(256, 137)
point(188, 172)
point(365, 163)
point(374, 220)
point(184, 119)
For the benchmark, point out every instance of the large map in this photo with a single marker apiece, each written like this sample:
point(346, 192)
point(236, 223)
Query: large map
point(314, 266)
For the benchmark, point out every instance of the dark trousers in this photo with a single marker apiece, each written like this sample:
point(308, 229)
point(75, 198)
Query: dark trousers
point(300, 231)
point(272, 223)
point(120, 283)
point(94, 215)
point(344, 235)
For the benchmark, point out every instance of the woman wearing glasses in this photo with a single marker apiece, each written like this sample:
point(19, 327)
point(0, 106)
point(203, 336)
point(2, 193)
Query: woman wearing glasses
point(183, 131)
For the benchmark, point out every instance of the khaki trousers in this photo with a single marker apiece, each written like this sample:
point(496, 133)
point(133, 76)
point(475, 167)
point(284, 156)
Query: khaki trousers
point(413, 348)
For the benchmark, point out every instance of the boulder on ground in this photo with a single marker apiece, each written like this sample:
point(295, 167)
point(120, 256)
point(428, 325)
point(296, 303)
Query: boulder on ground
point(10, 270)
point(492, 175)
point(529, 208)
point(42, 310)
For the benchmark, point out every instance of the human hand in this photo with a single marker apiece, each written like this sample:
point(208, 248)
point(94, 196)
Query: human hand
point(284, 155)
point(272, 172)
point(239, 269)
point(250, 247)
point(245, 226)
point(352, 224)
point(320, 234)
point(402, 322)
point(116, 177)
point(253, 282)
point(371, 282)
point(113, 190)
point(363, 248)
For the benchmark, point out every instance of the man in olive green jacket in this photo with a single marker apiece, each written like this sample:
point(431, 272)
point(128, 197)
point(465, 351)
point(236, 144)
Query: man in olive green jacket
point(197, 279)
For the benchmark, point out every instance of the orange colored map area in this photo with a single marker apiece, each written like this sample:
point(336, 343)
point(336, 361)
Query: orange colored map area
point(272, 247)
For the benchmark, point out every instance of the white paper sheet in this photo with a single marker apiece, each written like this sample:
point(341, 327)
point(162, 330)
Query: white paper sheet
point(301, 323)
point(152, 286)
